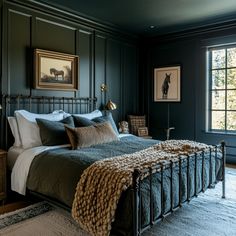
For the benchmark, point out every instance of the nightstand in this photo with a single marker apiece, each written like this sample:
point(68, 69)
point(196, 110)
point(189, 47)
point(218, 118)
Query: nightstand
point(3, 189)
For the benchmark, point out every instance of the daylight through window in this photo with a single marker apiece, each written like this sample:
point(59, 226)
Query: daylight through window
point(222, 95)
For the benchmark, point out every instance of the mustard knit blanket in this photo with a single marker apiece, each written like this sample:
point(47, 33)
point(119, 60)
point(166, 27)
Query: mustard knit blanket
point(101, 184)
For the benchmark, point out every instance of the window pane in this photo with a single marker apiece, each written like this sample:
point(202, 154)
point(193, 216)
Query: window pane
point(218, 100)
point(231, 57)
point(218, 79)
point(218, 120)
point(231, 79)
point(218, 58)
point(223, 89)
point(231, 99)
point(231, 120)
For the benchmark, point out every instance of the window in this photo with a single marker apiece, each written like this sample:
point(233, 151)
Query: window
point(222, 89)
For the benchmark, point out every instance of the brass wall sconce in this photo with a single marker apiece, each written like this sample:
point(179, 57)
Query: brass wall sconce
point(109, 105)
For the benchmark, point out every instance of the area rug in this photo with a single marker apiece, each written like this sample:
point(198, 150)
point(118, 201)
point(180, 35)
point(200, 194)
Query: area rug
point(208, 215)
point(41, 219)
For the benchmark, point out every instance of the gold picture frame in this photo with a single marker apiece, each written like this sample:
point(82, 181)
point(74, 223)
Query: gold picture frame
point(167, 84)
point(55, 70)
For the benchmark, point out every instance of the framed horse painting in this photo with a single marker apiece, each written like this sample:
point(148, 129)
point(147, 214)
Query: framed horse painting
point(167, 84)
point(55, 70)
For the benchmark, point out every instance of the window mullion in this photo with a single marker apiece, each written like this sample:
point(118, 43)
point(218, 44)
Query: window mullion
point(226, 74)
point(210, 92)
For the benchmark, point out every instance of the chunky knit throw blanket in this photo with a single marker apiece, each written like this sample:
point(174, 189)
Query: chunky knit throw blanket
point(101, 184)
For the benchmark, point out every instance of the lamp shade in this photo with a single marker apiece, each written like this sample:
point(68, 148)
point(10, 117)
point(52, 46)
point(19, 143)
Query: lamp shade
point(110, 105)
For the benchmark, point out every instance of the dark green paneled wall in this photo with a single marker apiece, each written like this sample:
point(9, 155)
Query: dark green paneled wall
point(100, 65)
point(18, 51)
point(188, 116)
point(179, 113)
point(113, 73)
point(105, 56)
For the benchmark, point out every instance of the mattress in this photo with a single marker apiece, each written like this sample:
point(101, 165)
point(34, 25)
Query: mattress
point(12, 155)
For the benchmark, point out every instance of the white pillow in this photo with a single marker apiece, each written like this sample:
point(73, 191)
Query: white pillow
point(28, 128)
point(91, 115)
point(15, 131)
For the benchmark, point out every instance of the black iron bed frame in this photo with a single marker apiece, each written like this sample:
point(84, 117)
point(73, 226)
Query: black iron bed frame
point(137, 178)
point(40, 104)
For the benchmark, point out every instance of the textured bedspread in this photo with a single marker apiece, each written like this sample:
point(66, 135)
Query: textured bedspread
point(55, 173)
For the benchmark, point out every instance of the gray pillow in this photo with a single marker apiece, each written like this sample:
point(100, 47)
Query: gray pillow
point(81, 137)
point(53, 132)
point(82, 121)
point(107, 117)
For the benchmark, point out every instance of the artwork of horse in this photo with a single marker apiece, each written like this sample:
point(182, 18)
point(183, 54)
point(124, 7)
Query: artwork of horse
point(56, 73)
point(165, 86)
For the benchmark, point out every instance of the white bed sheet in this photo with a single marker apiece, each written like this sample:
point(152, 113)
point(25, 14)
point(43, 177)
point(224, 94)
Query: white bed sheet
point(21, 168)
point(22, 164)
point(12, 155)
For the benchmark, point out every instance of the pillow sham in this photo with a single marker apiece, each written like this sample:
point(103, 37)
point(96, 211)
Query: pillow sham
point(81, 137)
point(107, 117)
point(28, 128)
point(83, 122)
point(90, 115)
point(53, 132)
point(15, 131)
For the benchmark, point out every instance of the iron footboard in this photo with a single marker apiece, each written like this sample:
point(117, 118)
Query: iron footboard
point(139, 176)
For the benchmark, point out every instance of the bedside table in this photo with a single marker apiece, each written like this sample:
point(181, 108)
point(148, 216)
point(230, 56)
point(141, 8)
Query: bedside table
point(3, 185)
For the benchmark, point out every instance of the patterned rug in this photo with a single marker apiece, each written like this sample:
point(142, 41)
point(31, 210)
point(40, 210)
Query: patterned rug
point(40, 219)
point(208, 214)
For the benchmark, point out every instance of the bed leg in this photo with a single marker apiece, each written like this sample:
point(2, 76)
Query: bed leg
point(223, 167)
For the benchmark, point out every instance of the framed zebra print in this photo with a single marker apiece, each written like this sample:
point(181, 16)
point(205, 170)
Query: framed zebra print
point(167, 84)
point(55, 70)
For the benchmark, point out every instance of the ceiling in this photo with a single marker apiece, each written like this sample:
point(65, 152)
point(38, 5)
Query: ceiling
point(137, 16)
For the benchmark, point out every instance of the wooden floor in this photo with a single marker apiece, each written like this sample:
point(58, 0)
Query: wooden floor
point(231, 165)
point(15, 201)
point(14, 206)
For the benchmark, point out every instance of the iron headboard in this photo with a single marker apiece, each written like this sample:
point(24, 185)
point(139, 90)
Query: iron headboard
point(40, 104)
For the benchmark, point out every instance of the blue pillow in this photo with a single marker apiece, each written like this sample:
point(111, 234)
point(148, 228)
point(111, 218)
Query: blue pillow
point(53, 132)
point(107, 117)
point(82, 121)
